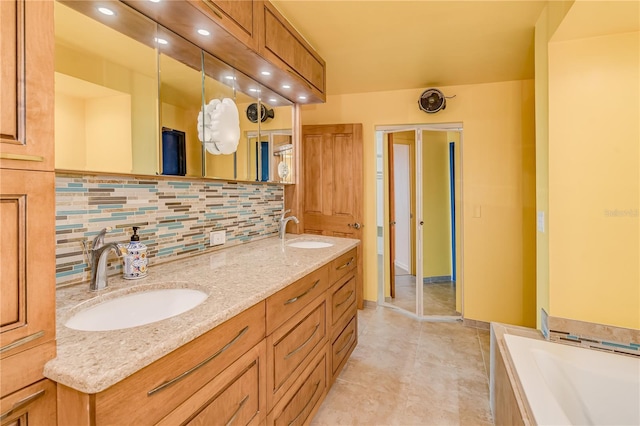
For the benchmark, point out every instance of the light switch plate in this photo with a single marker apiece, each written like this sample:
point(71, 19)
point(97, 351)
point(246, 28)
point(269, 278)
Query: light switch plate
point(217, 238)
point(540, 221)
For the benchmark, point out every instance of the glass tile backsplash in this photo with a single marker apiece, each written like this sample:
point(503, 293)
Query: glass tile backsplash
point(175, 217)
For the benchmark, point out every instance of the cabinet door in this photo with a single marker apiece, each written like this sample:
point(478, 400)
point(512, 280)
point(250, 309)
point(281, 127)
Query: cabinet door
point(302, 401)
point(27, 264)
point(239, 18)
point(34, 405)
point(282, 45)
point(235, 397)
point(26, 92)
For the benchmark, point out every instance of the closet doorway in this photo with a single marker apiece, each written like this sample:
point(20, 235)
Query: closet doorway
point(419, 206)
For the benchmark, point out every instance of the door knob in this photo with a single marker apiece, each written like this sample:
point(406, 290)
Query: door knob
point(355, 225)
point(421, 223)
point(392, 223)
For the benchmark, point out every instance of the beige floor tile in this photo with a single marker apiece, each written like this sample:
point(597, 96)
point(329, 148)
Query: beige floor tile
point(407, 372)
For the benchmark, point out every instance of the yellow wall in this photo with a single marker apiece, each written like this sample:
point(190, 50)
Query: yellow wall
point(547, 24)
point(436, 210)
point(498, 170)
point(108, 134)
point(594, 180)
point(70, 146)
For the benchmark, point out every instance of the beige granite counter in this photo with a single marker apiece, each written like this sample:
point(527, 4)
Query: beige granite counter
point(234, 279)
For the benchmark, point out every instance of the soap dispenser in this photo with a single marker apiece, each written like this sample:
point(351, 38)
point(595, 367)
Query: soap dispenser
point(135, 259)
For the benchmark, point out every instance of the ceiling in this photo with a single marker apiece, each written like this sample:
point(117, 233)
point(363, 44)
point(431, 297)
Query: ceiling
point(377, 45)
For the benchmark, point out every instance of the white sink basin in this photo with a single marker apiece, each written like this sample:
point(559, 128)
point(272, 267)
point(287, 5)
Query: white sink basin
point(132, 310)
point(309, 244)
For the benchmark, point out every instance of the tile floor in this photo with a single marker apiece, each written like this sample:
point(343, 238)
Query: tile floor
point(438, 298)
point(407, 372)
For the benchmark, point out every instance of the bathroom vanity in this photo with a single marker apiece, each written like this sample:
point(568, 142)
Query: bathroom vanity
point(264, 347)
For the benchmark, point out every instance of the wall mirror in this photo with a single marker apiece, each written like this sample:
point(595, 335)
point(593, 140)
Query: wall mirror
point(128, 98)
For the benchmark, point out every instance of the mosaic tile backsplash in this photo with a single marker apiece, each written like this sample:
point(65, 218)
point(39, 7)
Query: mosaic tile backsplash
point(175, 217)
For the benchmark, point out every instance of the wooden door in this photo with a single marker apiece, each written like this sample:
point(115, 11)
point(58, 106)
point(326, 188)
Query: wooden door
point(26, 84)
point(332, 184)
point(392, 218)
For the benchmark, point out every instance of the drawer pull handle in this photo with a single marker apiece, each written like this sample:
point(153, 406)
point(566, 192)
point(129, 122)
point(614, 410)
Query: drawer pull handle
point(306, 342)
point(346, 264)
point(347, 345)
point(233, 418)
point(21, 157)
point(315, 389)
point(193, 369)
point(345, 300)
point(21, 404)
point(22, 341)
point(303, 294)
point(213, 8)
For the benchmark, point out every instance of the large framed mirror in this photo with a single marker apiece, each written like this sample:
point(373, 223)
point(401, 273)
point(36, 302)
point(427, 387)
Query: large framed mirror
point(129, 97)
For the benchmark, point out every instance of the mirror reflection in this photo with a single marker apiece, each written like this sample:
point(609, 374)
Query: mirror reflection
point(129, 95)
point(105, 92)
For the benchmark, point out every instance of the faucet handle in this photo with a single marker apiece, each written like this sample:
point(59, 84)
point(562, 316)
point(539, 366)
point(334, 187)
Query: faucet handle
point(98, 241)
point(284, 212)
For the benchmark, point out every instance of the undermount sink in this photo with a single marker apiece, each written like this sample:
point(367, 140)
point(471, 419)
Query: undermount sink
point(135, 309)
point(309, 244)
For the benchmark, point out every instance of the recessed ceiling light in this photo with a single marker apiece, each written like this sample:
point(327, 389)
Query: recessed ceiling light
point(254, 90)
point(106, 11)
point(265, 73)
point(302, 98)
point(155, 1)
point(203, 32)
point(161, 41)
point(273, 100)
point(230, 77)
point(286, 86)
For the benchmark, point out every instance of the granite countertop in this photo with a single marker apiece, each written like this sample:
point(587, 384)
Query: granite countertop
point(234, 278)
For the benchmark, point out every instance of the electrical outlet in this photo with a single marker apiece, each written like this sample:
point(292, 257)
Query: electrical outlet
point(217, 238)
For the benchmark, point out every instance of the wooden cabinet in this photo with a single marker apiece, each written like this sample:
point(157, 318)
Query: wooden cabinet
point(343, 310)
point(304, 397)
point(250, 36)
point(27, 210)
point(235, 397)
point(153, 392)
point(33, 405)
point(272, 363)
point(26, 84)
point(290, 347)
point(282, 45)
point(239, 18)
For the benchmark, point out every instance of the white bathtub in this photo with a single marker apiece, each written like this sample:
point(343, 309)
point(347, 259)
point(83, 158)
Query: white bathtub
point(568, 385)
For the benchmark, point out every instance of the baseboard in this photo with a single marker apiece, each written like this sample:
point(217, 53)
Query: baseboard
point(437, 279)
point(370, 304)
point(482, 325)
point(401, 265)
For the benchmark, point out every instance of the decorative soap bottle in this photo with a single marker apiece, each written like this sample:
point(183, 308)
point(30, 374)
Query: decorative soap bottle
point(135, 259)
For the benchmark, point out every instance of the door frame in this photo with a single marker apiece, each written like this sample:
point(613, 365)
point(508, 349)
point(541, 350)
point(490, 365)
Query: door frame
point(418, 128)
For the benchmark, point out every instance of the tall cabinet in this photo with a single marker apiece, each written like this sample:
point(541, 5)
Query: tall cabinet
point(27, 212)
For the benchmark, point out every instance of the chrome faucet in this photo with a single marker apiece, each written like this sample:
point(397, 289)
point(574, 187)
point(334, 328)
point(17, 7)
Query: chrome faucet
point(283, 223)
point(98, 260)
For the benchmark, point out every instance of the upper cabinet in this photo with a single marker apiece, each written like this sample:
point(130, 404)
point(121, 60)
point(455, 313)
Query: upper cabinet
point(239, 18)
point(252, 37)
point(284, 46)
point(26, 121)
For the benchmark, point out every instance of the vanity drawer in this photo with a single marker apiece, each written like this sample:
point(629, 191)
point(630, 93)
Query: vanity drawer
point(290, 346)
point(303, 400)
point(150, 394)
point(342, 298)
point(234, 397)
point(343, 265)
point(285, 303)
point(342, 346)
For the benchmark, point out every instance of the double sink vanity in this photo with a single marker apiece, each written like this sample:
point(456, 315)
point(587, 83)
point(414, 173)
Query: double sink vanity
point(265, 329)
